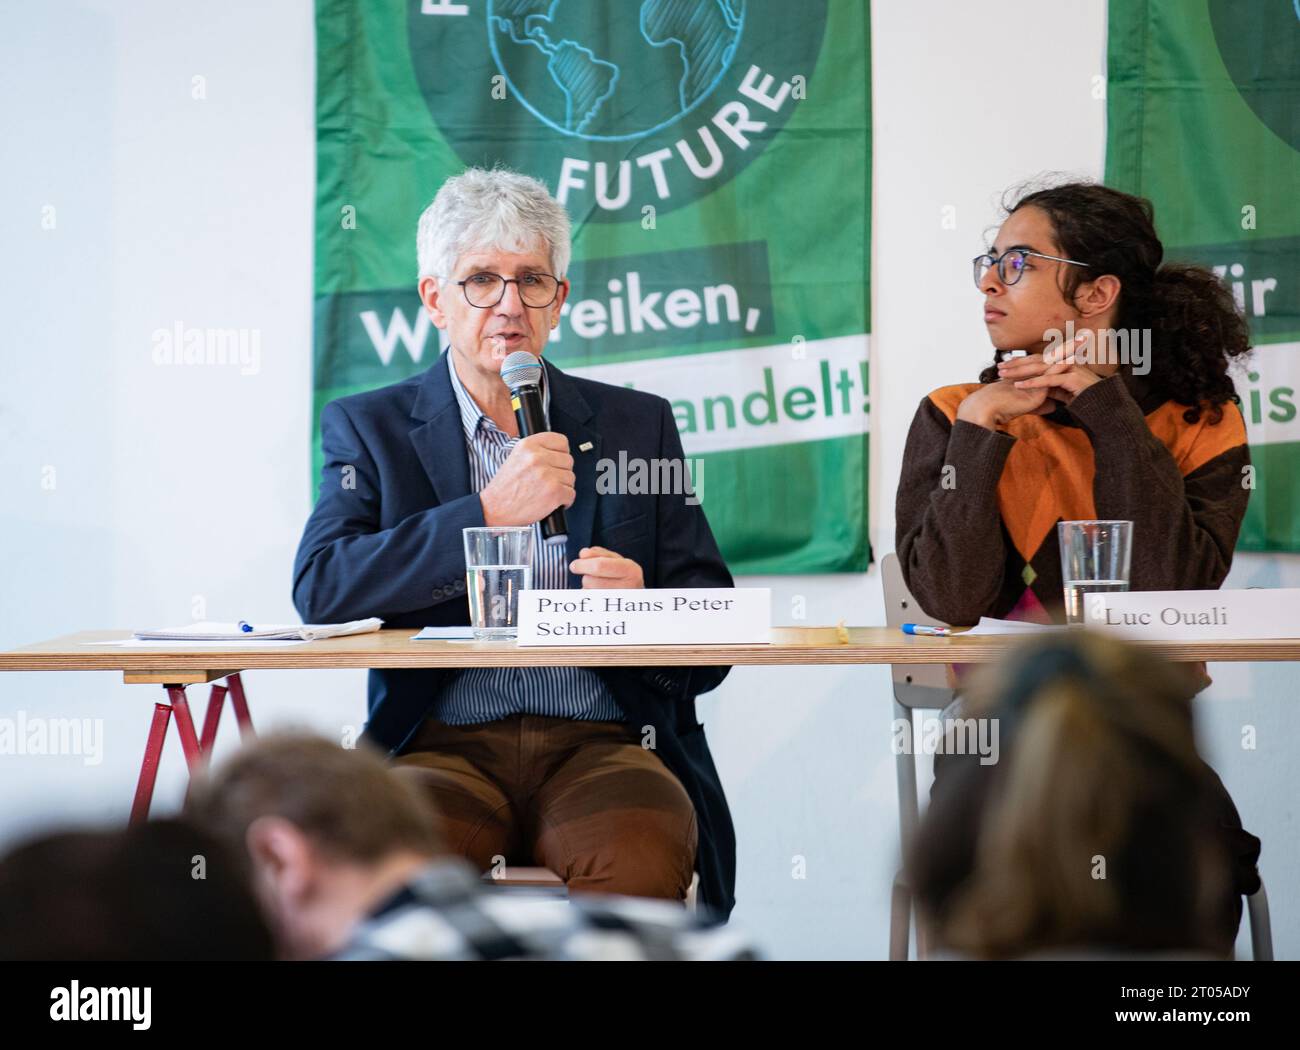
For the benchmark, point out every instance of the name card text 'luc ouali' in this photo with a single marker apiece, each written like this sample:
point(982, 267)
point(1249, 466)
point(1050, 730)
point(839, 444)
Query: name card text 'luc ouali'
point(1191, 615)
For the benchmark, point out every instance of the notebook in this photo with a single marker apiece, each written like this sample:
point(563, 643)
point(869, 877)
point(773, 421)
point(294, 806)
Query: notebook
point(210, 631)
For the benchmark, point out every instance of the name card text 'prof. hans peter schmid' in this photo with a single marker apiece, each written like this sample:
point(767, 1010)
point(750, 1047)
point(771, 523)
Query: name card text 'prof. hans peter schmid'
point(667, 616)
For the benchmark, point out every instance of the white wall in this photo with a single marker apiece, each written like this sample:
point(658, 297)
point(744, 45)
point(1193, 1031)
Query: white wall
point(177, 483)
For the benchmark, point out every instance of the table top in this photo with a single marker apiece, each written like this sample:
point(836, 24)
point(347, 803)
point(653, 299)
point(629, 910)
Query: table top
point(393, 647)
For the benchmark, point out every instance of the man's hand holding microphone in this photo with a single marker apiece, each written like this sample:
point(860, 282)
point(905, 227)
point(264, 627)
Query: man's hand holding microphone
point(537, 480)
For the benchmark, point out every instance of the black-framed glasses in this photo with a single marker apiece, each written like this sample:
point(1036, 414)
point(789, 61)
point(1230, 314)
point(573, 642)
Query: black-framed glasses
point(485, 289)
point(1011, 264)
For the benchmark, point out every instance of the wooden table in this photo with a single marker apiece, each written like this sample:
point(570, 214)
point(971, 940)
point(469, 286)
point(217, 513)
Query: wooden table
point(394, 648)
point(790, 646)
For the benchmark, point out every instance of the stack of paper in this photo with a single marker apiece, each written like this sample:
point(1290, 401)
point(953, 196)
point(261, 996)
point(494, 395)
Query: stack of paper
point(209, 631)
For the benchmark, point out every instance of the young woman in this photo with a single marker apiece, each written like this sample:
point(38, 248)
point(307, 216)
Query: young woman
point(1050, 437)
point(1067, 433)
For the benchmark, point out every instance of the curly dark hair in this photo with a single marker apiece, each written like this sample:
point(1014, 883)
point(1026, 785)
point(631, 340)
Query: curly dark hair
point(1197, 329)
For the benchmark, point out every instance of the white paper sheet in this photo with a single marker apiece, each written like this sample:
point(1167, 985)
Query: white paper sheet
point(445, 634)
point(989, 625)
point(208, 631)
point(140, 643)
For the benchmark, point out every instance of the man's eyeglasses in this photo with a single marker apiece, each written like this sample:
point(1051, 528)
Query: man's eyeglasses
point(485, 289)
point(1011, 264)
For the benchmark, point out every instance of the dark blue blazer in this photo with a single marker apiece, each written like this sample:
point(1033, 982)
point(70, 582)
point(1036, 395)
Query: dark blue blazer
point(385, 540)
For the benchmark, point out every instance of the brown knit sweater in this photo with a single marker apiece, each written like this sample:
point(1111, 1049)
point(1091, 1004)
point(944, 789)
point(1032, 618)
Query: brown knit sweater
point(982, 541)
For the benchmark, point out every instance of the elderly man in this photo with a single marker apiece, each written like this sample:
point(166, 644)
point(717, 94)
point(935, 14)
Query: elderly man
point(602, 775)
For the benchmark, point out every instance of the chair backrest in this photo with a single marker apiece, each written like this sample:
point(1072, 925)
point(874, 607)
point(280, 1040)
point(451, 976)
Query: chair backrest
point(915, 685)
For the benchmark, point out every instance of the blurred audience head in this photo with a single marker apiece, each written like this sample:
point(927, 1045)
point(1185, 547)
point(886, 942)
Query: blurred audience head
point(327, 833)
point(159, 891)
point(1096, 831)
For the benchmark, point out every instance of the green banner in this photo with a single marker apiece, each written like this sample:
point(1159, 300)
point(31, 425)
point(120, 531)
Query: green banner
point(1204, 118)
point(714, 156)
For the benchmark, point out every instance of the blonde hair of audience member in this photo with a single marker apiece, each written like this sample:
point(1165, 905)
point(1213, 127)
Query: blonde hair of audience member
point(1095, 835)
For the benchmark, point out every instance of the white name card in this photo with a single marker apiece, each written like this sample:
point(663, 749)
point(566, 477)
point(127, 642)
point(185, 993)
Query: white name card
point(1191, 615)
point(665, 616)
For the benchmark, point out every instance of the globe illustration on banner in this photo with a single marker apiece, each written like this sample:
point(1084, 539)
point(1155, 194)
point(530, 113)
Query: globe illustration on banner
point(603, 71)
point(1261, 52)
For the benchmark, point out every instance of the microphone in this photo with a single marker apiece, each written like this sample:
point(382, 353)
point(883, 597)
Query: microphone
point(522, 373)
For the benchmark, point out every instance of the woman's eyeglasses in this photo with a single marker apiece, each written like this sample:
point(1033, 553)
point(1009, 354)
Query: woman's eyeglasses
point(1011, 264)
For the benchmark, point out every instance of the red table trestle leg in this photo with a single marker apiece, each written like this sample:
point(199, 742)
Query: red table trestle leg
point(185, 726)
point(197, 749)
point(162, 715)
point(211, 718)
point(240, 705)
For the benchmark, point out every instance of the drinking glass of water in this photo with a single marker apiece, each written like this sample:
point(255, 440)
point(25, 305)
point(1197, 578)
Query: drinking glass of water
point(1094, 559)
point(498, 565)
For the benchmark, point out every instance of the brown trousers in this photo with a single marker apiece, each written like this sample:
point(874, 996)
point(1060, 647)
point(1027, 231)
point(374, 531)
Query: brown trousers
point(584, 799)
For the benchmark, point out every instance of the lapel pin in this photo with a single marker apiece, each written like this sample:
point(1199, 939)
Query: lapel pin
point(585, 447)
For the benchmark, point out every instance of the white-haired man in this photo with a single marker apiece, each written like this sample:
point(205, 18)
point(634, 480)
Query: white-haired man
point(530, 765)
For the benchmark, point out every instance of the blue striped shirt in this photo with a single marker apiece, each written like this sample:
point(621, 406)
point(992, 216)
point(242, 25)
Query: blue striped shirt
point(485, 694)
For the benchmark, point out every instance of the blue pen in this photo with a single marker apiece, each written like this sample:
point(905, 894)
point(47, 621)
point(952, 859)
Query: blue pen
point(920, 628)
point(245, 626)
